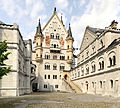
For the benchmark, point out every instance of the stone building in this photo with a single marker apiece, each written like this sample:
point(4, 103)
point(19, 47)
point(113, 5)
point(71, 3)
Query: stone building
point(19, 80)
point(53, 53)
point(98, 66)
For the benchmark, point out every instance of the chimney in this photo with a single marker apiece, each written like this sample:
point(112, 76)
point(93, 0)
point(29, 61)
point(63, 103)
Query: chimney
point(114, 24)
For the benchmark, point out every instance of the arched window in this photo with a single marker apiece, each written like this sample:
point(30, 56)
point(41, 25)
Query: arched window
point(102, 65)
point(110, 60)
point(47, 67)
point(94, 68)
point(62, 66)
point(54, 67)
point(57, 36)
point(52, 36)
point(114, 60)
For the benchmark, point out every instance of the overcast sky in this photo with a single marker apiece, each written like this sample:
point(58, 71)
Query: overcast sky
point(80, 13)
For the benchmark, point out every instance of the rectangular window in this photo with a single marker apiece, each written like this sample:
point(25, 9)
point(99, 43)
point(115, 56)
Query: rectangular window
point(48, 76)
point(62, 67)
point(54, 57)
point(45, 85)
point(54, 76)
point(56, 86)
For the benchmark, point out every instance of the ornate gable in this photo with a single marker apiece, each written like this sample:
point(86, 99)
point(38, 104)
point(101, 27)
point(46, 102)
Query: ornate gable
point(55, 27)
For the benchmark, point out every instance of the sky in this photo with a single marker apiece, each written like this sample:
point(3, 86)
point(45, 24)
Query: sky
point(79, 13)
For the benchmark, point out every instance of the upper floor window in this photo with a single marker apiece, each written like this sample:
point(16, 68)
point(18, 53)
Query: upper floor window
point(47, 67)
point(62, 57)
point(87, 70)
point(47, 56)
point(93, 68)
point(48, 76)
point(55, 57)
point(101, 65)
point(37, 44)
point(62, 67)
point(68, 46)
point(45, 76)
point(54, 76)
point(114, 60)
point(68, 57)
point(57, 36)
point(52, 36)
point(54, 67)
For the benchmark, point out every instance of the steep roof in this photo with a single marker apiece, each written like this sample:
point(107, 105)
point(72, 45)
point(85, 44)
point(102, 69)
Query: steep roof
point(94, 30)
point(55, 13)
point(1, 22)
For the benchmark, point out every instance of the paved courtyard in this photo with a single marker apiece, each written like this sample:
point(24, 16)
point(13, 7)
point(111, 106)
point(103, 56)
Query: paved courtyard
point(59, 100)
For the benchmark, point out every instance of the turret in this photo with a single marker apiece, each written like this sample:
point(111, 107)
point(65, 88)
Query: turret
point(69, 41)
point(38, 41)
point(114, 24)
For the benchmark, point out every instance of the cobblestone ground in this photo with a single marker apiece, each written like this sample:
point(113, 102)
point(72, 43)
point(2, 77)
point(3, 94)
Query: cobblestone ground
point(59, 100)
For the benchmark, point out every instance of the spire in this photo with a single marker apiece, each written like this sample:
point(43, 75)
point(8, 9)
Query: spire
point(54, 10)
point(39, 28)
point(61, 18)
point(69, 31)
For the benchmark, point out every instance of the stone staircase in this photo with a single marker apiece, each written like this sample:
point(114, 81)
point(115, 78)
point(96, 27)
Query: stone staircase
point(73, 86)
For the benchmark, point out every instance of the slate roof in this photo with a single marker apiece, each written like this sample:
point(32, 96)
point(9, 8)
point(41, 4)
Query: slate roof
point(94, 30)
point(1, 22)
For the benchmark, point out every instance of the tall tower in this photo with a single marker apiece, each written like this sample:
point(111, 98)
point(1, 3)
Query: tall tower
point(38, 43)
point(69, 43)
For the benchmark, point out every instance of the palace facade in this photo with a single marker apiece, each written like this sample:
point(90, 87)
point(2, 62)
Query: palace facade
point(98, 63)
point(53, 53)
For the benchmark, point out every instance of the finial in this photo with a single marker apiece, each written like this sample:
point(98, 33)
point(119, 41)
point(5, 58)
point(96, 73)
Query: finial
point(69, 31)
point(39, 27)
point(69, 24)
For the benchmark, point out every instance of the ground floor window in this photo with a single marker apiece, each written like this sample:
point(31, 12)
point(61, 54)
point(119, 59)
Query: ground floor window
point(45, 85)
point(56, 86)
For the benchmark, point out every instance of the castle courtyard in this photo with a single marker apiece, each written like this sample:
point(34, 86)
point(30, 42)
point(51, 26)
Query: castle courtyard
point(59, 100)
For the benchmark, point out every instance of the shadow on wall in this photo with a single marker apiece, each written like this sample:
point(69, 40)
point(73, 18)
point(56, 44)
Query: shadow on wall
point(39, 84)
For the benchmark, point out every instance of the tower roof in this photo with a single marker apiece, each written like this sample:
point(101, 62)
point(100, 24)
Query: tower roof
point(39, 28)
point(69, 31)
